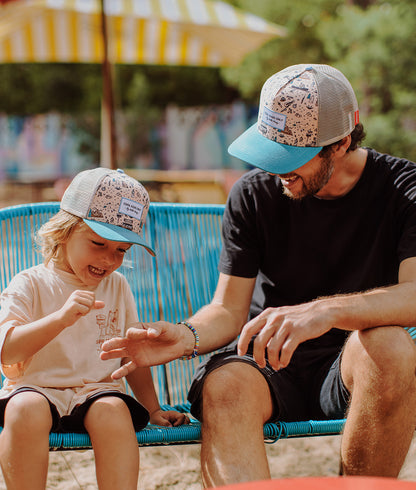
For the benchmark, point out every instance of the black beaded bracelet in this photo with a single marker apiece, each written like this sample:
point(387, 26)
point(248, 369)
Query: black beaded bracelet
point(196, 346)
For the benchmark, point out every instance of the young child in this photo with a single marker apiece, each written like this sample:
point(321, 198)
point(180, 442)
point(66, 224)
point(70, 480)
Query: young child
point(53, 320)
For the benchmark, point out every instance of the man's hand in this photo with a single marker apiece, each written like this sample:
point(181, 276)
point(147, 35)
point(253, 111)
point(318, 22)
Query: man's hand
point(149, 345)
point(281, 330)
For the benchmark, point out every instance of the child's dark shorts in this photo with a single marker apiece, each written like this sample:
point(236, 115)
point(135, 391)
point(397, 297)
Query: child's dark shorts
point(74, 422)
point(311, 386)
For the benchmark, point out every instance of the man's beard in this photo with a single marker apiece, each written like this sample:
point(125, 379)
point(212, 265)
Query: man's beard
point(314, 183)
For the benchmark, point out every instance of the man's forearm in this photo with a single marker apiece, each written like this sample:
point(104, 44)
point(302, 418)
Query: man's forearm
point(216, 326)
point(393, 305)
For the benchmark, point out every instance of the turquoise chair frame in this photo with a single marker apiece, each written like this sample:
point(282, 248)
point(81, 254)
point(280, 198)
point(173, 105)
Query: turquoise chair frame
point(179, 281)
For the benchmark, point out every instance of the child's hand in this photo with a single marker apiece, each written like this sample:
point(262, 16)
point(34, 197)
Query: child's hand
point(168, 418)
point(77, 305)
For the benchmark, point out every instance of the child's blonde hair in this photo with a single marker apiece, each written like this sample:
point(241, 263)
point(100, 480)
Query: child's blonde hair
point(55, 232)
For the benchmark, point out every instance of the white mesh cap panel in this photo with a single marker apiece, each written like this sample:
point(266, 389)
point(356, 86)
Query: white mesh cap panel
point(78, 196)
point(337, 105)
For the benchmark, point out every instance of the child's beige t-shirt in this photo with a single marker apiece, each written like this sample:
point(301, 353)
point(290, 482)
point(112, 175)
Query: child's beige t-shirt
point(69, 368)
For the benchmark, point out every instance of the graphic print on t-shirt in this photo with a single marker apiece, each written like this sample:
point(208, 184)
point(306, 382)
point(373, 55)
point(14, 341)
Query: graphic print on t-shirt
point(108, 327)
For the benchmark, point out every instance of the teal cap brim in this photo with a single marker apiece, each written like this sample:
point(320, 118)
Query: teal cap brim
point(116, 233)
point(273, 157)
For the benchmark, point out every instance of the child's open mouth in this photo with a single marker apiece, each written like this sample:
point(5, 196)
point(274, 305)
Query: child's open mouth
point(96, 271)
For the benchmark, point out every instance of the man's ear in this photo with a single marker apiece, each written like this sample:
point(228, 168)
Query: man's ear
point(342, 147)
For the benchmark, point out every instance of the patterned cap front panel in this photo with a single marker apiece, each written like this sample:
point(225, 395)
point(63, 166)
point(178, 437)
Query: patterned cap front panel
point(289, 108)
point(120, 200)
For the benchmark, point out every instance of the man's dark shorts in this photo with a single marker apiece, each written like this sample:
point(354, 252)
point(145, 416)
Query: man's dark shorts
point(311, 386)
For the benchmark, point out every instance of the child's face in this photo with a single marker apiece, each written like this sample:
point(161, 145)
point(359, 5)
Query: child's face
point(89, 257)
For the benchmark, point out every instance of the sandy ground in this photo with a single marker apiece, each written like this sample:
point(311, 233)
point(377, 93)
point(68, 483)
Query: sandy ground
point(177, 467)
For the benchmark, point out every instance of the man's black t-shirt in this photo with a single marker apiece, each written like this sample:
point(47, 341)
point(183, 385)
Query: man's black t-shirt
point(300, 250)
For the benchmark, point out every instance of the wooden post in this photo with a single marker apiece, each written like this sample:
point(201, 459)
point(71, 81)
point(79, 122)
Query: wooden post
point(108, 146)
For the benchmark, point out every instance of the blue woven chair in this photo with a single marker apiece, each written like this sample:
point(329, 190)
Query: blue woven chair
point(182, 278)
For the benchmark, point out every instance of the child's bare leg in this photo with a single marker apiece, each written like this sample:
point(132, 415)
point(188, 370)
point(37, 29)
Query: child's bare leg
point(24, 442)
point(116, 451)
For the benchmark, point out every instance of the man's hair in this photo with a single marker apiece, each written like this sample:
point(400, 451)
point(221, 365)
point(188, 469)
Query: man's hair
point(54, 233)
point(357, 136)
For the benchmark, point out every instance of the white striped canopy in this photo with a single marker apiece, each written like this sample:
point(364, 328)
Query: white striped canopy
point(164, 32)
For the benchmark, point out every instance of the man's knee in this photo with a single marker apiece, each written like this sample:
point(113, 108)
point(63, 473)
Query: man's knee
point(383, 357)
point(236, 385)
point(384, 347)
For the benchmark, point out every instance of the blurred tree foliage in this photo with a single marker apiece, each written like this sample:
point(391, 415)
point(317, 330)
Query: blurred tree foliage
point(32, 88)
point(372, 41)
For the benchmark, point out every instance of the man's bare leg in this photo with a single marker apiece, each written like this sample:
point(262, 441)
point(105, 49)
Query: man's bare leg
point(236, 404)
point(378, 367)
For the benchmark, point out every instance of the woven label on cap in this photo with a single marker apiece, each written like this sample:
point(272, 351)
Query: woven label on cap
point(274, 119)
point(131, 208)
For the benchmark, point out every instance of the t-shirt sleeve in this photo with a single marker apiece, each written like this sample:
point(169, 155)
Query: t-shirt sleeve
point(406, 213)
point(407, 243)
point(15, 310)
point(241, 247)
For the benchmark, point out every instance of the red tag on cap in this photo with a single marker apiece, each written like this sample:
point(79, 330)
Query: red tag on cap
point(356, 118)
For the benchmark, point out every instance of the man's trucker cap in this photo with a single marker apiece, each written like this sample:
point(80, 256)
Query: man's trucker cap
point(302, 108)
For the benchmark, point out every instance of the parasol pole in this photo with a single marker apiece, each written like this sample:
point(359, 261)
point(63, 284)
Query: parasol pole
point(108, 146)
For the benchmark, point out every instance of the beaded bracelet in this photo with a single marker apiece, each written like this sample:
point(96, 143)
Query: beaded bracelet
point(196, 346)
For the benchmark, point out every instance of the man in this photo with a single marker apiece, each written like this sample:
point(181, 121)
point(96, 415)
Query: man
point(319, 252)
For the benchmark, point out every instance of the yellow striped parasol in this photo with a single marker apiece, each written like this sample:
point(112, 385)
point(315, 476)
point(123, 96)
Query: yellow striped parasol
point(166, 32)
